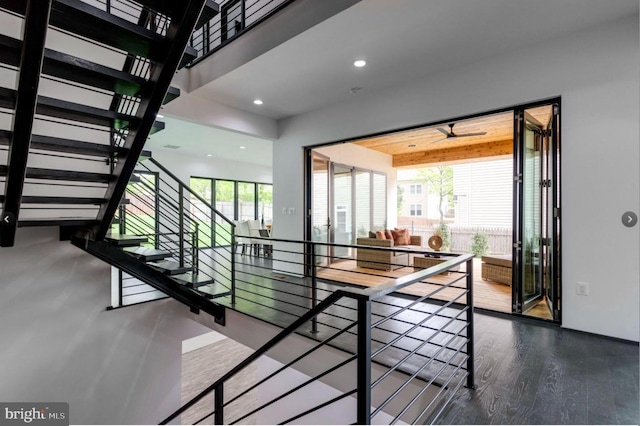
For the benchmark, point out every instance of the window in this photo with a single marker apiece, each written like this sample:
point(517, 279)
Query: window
point(415, 210)
point(415, 189)
point(235, 200)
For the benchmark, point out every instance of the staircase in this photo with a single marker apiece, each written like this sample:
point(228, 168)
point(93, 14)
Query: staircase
point(92, 77)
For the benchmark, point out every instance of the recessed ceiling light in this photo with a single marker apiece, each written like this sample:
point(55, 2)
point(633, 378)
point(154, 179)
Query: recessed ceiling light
point(159, 116)
point(258, 101)
point(242, 147)
point(360, 63)
point(209, 155)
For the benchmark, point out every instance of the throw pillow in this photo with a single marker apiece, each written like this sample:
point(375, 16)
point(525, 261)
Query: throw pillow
point(388, 234)
point(404, 237)
point(372, 234)
point(380, 235)
point(396, 238)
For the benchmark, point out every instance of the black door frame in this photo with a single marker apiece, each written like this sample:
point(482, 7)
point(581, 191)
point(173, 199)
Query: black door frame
point(555, 101)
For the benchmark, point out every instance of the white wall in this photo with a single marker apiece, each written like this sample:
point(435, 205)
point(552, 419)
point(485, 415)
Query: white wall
point(59, 343)
point(596, 73)
point(185, 166)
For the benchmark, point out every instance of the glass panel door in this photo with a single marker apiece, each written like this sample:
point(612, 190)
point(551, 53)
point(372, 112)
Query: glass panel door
point(363, 203)
point(552, 220)
point(320, 217)
point(342, 177)
point(527, 285)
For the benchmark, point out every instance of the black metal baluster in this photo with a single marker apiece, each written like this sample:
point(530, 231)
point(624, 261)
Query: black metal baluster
point(470, 343)
point(364, 362)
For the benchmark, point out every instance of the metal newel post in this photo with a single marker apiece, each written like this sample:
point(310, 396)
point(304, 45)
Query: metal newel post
point(470, 333)
point(194, 248)
point(218, 405)
point(314, 287)
point(181, 225)
point(364, 362)
point(233, 265)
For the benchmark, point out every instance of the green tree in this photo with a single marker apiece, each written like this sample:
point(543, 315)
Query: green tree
point(439, 181)
point(202, 187)
point(400, 199)
point(479, 244)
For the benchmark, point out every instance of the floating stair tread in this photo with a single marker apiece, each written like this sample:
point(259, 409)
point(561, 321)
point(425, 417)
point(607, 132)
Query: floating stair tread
point(170, 267)
point(123, 240)
point(193, 280)
point(172, 94)
point(59, 200)
point(213, 291)
point(50, 143)
point(147, 254)
point(66, 175)
point(74, 111)
point(66, 221)
point(90, 22)
point(72, 68)
point(189, 55)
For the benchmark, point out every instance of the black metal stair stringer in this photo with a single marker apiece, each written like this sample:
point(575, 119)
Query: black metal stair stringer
point(178, 35)
point(156, 279)
point(35, 28)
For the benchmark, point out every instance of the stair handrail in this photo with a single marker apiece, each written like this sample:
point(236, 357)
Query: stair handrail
point(334, 297)
point(188, 189)
point(361, 295)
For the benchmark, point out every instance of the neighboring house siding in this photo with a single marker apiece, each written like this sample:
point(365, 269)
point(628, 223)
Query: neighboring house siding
point(484, 193)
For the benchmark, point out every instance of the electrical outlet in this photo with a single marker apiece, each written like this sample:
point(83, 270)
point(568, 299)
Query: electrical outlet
point(292, 210)
point(582, 289)
point(284, 210)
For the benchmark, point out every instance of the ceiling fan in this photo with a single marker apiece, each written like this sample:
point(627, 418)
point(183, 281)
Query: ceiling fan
point(451, 135)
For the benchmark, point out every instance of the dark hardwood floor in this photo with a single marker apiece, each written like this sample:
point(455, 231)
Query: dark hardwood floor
point(527, 372)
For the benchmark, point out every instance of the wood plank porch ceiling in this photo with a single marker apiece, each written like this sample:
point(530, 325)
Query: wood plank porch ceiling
point(431, 147)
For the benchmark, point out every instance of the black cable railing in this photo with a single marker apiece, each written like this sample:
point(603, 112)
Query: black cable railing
point(406, 354)
point(407, 341)
point(235, 18)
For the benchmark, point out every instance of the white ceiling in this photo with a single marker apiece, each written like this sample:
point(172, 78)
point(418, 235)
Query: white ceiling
point(401, 40)
point(199, 140)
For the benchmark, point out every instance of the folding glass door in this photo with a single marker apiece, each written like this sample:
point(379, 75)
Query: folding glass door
point(536, 207)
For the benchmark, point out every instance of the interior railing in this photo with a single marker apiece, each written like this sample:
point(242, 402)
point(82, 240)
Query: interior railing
point(235, 18)
point(406, 345)
point(390, 342)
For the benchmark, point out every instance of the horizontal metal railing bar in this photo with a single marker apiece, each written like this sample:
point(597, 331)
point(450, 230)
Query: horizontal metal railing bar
point(414, 352)
point(406, 333)
point(297, 388)
point(423, 390)
point(244, 30)
point(216, 261)
point(290, 363)
point(426, 296)
point(186, 187)
point(317, 407)
point(452, 392)
point(374, 340)
point(200, 420)
point(258, 353)
point(442, 389)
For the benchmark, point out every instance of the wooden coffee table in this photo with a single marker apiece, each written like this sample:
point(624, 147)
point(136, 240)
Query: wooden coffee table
point(422, 262)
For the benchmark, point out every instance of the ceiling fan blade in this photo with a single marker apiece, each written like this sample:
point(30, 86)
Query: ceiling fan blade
point(439, 140)
point(460, 135)
point(443, 131)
